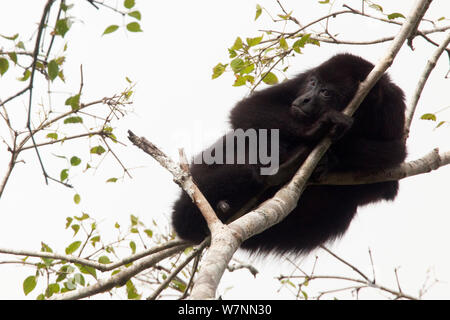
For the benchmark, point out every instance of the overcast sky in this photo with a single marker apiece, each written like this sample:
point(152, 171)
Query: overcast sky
point(176, 101)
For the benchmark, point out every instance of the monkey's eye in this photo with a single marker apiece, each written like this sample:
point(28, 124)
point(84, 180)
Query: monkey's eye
point(312, 82)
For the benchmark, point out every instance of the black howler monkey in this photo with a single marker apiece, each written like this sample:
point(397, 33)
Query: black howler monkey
point(305, 109)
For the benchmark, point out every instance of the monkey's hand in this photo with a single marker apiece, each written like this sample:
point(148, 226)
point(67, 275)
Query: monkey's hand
point(340, 122)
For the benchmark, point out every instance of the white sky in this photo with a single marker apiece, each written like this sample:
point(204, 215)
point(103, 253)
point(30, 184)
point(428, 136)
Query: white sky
point(175, 99)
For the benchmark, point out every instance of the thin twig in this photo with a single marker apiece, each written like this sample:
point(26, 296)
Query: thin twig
point(196, 251)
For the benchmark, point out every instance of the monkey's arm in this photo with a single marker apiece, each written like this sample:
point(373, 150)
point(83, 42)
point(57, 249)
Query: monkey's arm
point(334, 122)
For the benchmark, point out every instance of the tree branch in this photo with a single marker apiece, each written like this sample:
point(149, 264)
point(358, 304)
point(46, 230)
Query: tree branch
point(182, 177)
point(432, 161)
point(422, 81)
point(122, 277)
point(179, 244)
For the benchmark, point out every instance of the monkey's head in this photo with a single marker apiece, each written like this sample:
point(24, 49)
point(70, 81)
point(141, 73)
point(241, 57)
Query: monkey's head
point(329, 86)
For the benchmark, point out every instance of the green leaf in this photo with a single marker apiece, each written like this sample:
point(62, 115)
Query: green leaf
point(68, 221)
point(305, 295)
point(149, 233)
point(73, 247)
point(20, 45)
point(4, 65)
point(253, 41)
point(74, 161)
point(94, 240)
point(324, 1)
point(258, 11)
point(78, 277)
point(218, 70)
point(52, 289)
point(132, 291)
point(134, 27)
point(29, 284)
point(128, 4)
point(237, 44)
point(134, 230)
point(39, 65)
point(240, 81)
point(60, 60)
point(300, 43)
point(111, 180)
point(87, 270)
point(178, 285)
point(73, 120)
point(26, 75)
point(237, 65)
point(134, 220)
point(12, 38)
point(270, 78)
point(110, 29)
point(53, 69)
point(74, 102)
point(61, 27)
point(45, 248)
point(69, 285)
point(64, 174)
point(75, 228)
point(104, 260)
point(283, 44)
point(97, 150)
point(428, 116)
point(248, 68)
point(115, 272)
point(232, 53)
point(135, 14)
point(63, 272)
point(13, 57)
point(52, 135)
point(440, 124)
point(250, 79)
point(285, 16)
point(395, 15)
point(83, 217)
point(314, 42)
point(376, 7)
point(112, 137)
point(133, 247)
point(66, 7)
point(76, 198)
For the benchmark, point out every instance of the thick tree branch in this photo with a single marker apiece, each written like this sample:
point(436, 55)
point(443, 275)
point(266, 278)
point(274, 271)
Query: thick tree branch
point(182, 177)
point(432, 161)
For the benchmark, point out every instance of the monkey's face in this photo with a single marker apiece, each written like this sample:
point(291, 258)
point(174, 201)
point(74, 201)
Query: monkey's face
point(315, 98)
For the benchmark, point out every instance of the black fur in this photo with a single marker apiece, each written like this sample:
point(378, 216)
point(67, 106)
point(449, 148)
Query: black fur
point(304, 109)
